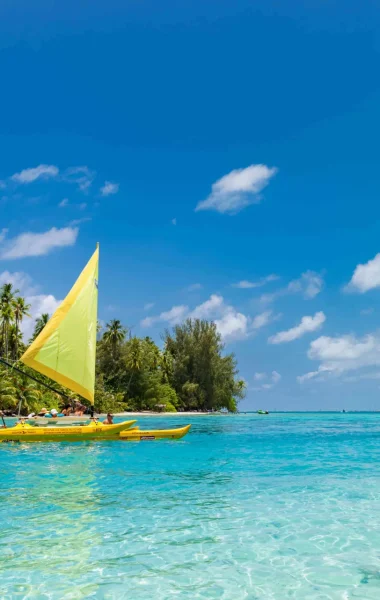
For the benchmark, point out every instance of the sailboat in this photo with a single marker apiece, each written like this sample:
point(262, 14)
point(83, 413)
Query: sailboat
point(65, 352)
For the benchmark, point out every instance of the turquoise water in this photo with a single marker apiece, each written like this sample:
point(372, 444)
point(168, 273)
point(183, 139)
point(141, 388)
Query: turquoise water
point(271, 507)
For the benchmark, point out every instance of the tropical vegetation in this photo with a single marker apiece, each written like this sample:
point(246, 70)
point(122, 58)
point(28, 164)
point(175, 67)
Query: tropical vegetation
point(189, 372)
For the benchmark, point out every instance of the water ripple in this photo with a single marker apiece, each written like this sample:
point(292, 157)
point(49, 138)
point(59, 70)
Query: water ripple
point(281, 507)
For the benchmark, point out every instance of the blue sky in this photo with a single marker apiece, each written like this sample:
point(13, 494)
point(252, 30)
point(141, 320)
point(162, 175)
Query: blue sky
point(204, 144)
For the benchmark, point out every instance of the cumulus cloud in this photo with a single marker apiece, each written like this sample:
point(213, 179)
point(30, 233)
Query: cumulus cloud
point(310, 284)
point(109, 188)
point(340, 354)
point(246, 285)
point(367, 311)
point(40, 304)
point(365, 277)
point(173, 316)
point(20, 281)
point(209, 308)
point(307, 325)
point(38, 244)
point(40, 172)
point(271, 380)
point(63, 202)
point(231, 324)
point(238, 189)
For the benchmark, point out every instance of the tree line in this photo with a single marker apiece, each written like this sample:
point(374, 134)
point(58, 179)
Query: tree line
point(190, 372)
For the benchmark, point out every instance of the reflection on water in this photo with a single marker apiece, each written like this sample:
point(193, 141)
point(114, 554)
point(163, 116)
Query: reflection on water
point(274, 507)
point(49, 501)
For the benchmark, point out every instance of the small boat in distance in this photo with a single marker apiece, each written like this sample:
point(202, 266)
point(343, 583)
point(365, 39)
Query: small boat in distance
point(262, 412)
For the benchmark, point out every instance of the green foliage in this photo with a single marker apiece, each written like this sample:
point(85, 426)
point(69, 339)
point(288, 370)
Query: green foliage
point(202, 377)
point(190, 373)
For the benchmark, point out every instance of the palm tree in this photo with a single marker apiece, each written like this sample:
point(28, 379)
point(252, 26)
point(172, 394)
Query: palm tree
point(39, 325)
point(14, 341)
point(20, 308)
point(6, 313)
point(134, 358)
point(7, 316)
point(114, 334)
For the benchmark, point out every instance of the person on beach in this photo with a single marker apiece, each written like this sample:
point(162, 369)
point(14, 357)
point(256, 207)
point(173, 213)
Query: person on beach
point(79, 409)
point(108, 420)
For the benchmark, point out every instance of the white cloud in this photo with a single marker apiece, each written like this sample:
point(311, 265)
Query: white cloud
point(63, 203)
point(40, 172)
point(81, 176)
point(3, 234)
point(260, 376)
point(148, 305)
point(75, 222)
point(341, 354)
point(275, 377)
point(366, 277)
point(307, 325)
point(174, 221)
point(367, 311)
point(38, 244)
point(194, 287)
point(109, 188)
point(209, 308)
point(237, 189)
point(310, 284)
point(362, 376)
point(39, 304)
point(231, 323)
point(173, 316)
point(20, 281)
point(262, 319)
point(246, 285)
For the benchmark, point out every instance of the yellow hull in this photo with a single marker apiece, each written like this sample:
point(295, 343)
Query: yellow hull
point(22, 432)
point(136, 434)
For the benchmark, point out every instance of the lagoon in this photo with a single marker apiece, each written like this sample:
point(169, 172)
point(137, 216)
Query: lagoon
point(245, 507)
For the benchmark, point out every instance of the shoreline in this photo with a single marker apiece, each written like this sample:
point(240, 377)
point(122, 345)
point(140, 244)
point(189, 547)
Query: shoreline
point(166, 414)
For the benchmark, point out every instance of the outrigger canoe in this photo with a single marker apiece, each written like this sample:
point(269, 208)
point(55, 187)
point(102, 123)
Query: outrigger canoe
point(64, 351)
point(23, 432)
point(135, 434)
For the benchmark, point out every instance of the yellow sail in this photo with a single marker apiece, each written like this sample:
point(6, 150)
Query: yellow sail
point(66, 347)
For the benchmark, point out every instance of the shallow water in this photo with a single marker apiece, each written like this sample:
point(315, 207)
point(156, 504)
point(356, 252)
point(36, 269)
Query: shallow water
point(257, 507)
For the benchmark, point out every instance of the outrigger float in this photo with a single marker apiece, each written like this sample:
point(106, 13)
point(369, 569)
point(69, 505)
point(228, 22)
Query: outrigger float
point(65, 352)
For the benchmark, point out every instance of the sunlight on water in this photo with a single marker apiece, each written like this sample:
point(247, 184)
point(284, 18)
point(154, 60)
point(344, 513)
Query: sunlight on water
point(273, 507)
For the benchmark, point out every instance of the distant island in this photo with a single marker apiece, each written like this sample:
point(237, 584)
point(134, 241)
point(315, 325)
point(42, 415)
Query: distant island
point(190, 373)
